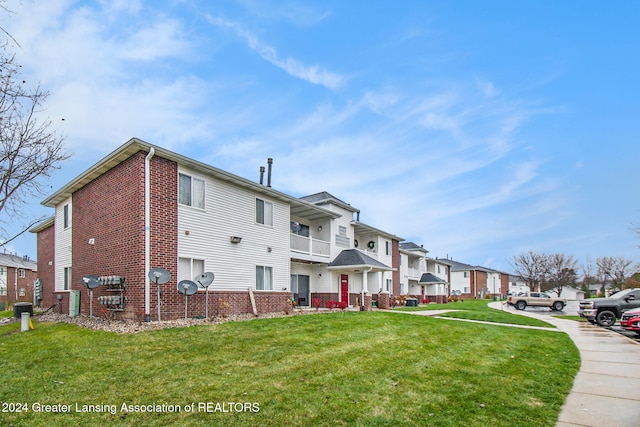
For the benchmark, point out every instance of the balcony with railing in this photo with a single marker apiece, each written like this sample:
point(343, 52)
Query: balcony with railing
point(415, 273)
point(309, 249)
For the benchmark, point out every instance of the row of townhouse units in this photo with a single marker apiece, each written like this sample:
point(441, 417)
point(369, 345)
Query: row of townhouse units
point(144, 207)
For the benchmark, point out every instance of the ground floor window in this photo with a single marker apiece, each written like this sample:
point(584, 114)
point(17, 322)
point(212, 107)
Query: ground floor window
point(189, 268)
point(67, 279)
point(264, 278)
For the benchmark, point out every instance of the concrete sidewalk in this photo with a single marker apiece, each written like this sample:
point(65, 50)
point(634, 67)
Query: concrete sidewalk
point(606, 390)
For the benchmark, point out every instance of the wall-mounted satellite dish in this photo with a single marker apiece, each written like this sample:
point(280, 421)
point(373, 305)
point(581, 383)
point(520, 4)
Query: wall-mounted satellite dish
point(187, 287)
point(159, 276)
point(91, 282)
point(457, 292)
point(205, 279)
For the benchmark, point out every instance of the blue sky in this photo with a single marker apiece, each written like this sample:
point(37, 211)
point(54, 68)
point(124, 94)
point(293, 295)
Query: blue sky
point(480, 129)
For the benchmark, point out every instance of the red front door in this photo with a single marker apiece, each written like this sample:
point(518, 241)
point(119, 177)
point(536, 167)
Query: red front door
point(344, 288)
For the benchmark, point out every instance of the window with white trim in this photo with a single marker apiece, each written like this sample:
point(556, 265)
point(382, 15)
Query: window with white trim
point(389, 285)
point(387, 247)
point(191, 191)
point(21, 273)
point(66, 216)
point(467, 289)
point(67, 279)
point(264, 212)
point(189, 268)
point(466, 274)
point(264, 278)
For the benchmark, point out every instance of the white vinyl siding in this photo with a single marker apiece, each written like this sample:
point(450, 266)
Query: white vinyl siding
point(231, 211)
point(63, 254)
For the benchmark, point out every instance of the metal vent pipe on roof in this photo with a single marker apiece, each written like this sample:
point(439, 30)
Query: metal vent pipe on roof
point(261, 174)
point(269, 163)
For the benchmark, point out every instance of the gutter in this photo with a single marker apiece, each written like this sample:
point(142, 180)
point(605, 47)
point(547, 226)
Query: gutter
point(147, 234)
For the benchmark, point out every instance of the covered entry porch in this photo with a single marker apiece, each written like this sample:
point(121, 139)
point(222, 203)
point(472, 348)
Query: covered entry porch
point(358, 276)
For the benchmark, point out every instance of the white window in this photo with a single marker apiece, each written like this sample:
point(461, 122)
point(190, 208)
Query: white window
point(189, 268)
point(264, 212)
point(388, 248)
point(438, 267)
point(67, 279)
point(401, 288)
point(389, 284)
point(21, 272)
point(66, 216)
point(467, 290)
point(190, 191)
point(466, 274)
point(264, 278)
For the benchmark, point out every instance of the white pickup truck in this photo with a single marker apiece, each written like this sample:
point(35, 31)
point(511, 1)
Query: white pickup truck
point(536, 299)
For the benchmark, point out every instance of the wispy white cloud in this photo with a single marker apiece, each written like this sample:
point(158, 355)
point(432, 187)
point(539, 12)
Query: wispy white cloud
point(313, 74)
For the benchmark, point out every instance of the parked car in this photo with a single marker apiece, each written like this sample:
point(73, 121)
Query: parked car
point(630, 320)
point(605, 311)
point(536, 299)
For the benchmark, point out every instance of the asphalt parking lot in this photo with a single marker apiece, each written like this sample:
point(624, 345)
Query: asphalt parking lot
point(571, 309)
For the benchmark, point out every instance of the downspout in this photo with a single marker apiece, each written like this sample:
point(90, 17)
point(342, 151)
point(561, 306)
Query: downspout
point(147, 234)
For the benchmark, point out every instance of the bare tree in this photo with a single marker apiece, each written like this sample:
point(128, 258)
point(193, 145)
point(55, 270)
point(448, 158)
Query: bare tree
point(29, 149)
point(561, 271)
point(616, 269)
point(532, 267)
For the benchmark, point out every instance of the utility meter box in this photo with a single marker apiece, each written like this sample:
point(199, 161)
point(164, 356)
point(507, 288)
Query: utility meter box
point(74, 303)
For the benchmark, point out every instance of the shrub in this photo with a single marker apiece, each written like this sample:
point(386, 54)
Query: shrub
point(316, 302)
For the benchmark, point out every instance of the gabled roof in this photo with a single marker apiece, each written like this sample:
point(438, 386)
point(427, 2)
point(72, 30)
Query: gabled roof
point(430, 279)
point(15, 261)
point(353, 258)
point(362, 228)
point(134, 145)
point(412, 247)
point(324, 198)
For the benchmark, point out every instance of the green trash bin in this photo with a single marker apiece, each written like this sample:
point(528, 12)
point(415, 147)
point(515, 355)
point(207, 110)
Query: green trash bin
point(3, 306)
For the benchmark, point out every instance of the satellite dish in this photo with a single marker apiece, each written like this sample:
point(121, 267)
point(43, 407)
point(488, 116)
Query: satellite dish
point(187, 287)
point(90, 281)
point(457, 292)
point(205, 279)
point(159, 276)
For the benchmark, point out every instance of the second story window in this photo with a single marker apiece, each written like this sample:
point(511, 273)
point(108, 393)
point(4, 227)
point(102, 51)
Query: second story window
point(264, 212)
point(190, 191)
point(66, 217)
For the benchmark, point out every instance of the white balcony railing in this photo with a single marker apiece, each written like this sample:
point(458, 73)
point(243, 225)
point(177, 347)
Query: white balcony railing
point(415, 273)
point(310, 246)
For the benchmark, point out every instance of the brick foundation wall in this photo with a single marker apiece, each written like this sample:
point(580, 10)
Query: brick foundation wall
point(324, 297)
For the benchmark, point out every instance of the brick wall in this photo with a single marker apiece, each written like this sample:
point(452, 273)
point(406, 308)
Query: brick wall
point(46, 265)
point(15, 284)
point(395, 263)
point(110, 210)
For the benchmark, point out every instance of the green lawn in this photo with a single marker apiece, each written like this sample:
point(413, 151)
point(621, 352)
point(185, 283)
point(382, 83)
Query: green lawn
point(340, 369)
point(478, 310)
